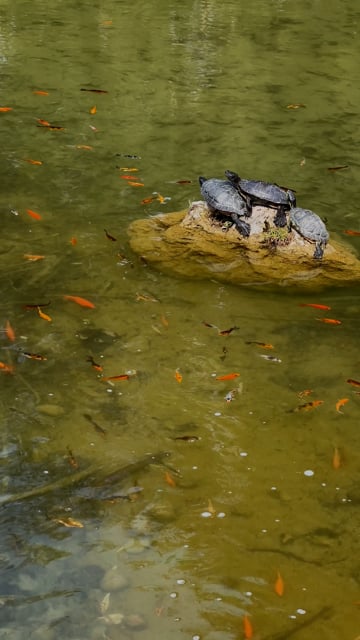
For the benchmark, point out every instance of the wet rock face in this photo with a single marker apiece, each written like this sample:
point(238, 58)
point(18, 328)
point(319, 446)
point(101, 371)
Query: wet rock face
point(198, 243)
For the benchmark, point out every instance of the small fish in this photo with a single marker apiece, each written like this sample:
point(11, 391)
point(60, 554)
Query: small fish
point(69, 522)
point(228, 376)
point(279, 585)
point(297, 105)
point(183, 181)
point(230, 396)
point(9, 331)
point(109, 237)
point(178, 376)
point(270, 358)
point(33, 356)
point(211, 326)
point(164, 321)
point(31, 161)
point(126, 177)
point(119, 378)
point(136, 184)
point(263, 345)
point(93, 128)
point(340, 167)
point(169, 479)
point(94, 90)
point(336, 459)
point(73, 241)
point(329, 320)
point(33, 214)
point(187, 438)
point(86, 147)
point(148, 200)
point(309, 405)
point(41, 93)
point(33, 258)
point(6, 368)
point(104, 604)
point(96, 426)
point(324, 307)
point(304, 393)
point(43, 315)
point(354, 383)
point(129, 155)
point(349, 232)
point(340, 403)
point(43, 123)
point(94, 364)
point(226, 332)
point(55, 127)
point(71, 459)
point(145, 298)
point(5, 109)
point(83, 302)
point(248, 628)
point(133, 169)
point(210, 507)
point(224, 354)
point(93, 110)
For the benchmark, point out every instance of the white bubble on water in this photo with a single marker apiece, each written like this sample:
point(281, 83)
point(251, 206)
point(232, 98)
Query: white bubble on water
point(309, 473)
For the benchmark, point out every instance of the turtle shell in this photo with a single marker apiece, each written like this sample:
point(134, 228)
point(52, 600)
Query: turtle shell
point(265, 192)
point(309, 225)
point(221, 195)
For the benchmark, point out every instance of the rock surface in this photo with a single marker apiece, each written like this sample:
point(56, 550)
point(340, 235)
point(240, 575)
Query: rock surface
point(198, 244)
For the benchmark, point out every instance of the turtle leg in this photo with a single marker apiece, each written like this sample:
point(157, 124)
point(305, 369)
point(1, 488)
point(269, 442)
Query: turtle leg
point(319, 251)
point(249, 206)
point(280, 218)
point(242, 226)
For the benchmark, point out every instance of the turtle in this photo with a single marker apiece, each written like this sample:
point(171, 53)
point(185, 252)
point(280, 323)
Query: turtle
point(311, 227)
point(221, 195)
point(266, 194)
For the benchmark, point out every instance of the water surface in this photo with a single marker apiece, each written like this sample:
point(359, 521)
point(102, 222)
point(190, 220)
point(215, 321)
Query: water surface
point(192, 90)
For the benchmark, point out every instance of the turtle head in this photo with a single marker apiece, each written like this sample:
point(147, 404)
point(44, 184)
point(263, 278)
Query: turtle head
point(292, 198)
point(233, 177)
point(202, 180)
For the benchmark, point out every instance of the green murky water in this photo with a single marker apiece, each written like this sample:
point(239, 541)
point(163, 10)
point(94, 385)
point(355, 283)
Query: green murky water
point(191, 90)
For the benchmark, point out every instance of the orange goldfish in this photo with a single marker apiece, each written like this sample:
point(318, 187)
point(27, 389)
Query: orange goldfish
point(324, 307)
point(329, 320)
point(340, 403)
point(9, 331)
point(81, 301)
point(248, 628)
point(279, 585)
point(228, 376)
point(336, 459)
point(178, 376)
point(33, 214)
point(43, 315)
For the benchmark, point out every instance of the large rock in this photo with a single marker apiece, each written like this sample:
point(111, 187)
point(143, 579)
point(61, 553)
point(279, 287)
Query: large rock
point(198, 244)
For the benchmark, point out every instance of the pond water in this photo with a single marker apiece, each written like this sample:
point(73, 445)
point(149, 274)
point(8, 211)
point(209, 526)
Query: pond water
point(250, 526)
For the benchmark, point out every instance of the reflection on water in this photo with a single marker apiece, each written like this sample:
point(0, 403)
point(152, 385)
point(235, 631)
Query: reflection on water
point(256, 484)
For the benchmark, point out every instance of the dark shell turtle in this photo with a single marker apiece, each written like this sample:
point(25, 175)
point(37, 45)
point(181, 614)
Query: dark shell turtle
point(264, 193)
point(221, 195)
point(311, 227)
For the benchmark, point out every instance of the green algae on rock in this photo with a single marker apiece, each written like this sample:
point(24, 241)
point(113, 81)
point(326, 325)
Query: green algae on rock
point(198, 244)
